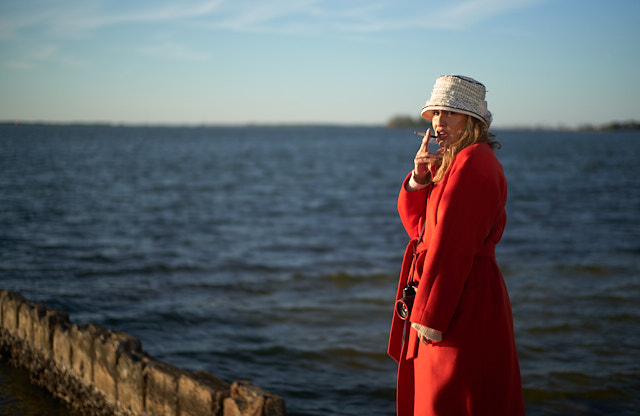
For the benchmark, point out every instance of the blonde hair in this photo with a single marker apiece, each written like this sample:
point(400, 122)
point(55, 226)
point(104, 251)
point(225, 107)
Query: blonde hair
point(475, 131)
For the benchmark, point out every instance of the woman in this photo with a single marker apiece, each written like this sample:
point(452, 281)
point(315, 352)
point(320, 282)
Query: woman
point(456, 351)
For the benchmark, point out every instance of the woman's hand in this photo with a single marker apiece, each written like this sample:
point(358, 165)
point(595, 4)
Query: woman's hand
point(424, 161)
point(427, 335)
point(424, 339)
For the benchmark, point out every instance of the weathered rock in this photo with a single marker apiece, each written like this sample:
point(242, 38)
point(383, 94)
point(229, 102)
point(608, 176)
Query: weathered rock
point(101, 372)
point(11, 303)
point(105, 363)
point(162, 389)
point(201, 392)
point(249, 400)
point(130, 376)
point(62, 345)
point(45, 323)
point(82, 350)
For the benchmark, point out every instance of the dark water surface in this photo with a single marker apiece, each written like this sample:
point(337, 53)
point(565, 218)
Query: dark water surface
point(272, 254)
point(19, 398)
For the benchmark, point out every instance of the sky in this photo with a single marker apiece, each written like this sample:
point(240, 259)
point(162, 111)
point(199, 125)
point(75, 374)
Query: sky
point(545, 63)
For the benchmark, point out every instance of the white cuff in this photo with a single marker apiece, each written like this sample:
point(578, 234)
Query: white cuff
point(432, 334)
point(412, 185)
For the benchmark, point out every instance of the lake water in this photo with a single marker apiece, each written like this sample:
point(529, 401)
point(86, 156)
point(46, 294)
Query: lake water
point(272, 254)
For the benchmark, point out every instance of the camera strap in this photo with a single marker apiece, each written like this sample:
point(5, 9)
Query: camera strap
point(400, 327)
point(415, 251)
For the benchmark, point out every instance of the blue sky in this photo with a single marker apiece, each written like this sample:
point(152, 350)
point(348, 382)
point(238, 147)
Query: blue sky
point(544, 62)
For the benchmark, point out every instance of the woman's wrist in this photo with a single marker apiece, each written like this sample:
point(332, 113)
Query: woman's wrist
point(416, 183)
point(430, 333)
point(421, 180)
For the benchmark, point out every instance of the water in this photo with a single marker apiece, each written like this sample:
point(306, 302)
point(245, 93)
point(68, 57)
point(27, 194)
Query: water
point(272, 254)
point(19, 398)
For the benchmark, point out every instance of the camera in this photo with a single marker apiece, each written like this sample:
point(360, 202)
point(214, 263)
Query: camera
point(404, 305)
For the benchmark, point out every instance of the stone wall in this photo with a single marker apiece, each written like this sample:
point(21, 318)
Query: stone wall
point(102, 372)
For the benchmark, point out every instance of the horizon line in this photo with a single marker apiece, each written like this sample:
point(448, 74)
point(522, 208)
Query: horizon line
point(121, 124)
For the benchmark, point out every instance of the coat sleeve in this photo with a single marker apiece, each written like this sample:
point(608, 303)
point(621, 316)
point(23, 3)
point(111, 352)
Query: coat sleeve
point(470, 201)
point(411, 207)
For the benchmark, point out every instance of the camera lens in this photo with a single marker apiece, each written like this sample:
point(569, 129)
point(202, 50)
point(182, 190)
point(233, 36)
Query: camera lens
point(403, 306)
point(402, 309)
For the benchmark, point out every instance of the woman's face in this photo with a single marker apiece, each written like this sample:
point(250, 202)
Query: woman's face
point(448, 126)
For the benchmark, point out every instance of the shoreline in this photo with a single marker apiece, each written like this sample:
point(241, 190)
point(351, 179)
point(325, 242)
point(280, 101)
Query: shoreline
point(102, 372)
point(394, 123)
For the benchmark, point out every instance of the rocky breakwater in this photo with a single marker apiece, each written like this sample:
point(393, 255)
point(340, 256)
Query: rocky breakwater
point(102, 372)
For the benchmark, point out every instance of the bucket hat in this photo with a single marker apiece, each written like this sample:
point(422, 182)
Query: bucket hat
point(460, 94)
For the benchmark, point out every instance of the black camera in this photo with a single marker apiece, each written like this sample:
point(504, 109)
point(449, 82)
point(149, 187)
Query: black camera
point(404, 305)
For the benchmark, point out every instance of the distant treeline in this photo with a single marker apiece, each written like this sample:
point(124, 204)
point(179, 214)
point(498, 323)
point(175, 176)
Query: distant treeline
point(395, 122)
point(406, 121)
point(419, 122)
point(614, 125)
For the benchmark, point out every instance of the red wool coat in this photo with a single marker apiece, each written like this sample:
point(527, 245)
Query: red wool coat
point(474, 369)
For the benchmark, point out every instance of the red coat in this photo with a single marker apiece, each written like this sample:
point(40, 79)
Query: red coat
point(474, 369)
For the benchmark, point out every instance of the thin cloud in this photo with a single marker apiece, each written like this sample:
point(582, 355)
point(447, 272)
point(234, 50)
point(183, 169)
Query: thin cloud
point(473, 12)
point(259, 16)
point(18, 65)
point(355, 17)
point(301, 17)
point(175, 51)
point(31, 58)
point(452, 15)
point(49, 21)
point(81, 18)
point(28, 25)
point(161, 14)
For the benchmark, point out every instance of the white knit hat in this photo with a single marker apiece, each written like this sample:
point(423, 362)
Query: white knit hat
point(459, 94)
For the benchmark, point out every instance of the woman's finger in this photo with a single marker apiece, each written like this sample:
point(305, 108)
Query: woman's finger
point(424, 146)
